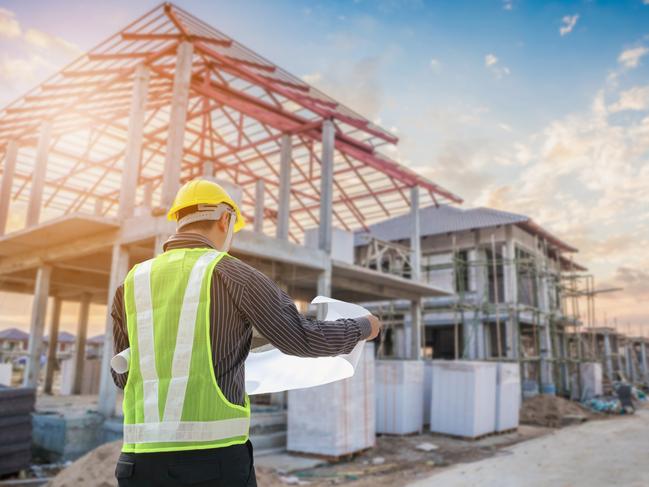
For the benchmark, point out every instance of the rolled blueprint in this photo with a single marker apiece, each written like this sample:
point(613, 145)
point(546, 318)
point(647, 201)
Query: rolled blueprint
point(121, 361)
point(274, 371)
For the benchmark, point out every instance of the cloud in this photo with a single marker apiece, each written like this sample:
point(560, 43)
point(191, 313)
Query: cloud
point(569, 22)
point(43, 40)
point(509, 4)
point(630, 58)
point(9, 26)
point(492, 63)
point(435, 65)
point(16, 72)
point(355, 84)
point(636, 98)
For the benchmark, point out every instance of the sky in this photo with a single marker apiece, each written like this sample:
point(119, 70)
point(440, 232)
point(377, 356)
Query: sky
point(540, 108)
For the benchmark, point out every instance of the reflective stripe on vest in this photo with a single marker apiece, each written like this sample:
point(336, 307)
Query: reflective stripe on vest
point(172, 429)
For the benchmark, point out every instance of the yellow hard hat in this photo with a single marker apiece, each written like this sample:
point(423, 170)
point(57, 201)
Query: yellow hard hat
point(203, 192)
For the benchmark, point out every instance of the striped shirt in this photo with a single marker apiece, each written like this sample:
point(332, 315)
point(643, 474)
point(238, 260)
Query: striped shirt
point(243, 298)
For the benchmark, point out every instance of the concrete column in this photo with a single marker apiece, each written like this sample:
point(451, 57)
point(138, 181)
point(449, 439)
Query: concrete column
point(416, 322)
point(133, 151)
point(260, 193)
point(51, 349)
point(630, 366)
point(644, 365)
point(608, 356)
point(8, 170)
point(38, 176)
point(415, 234)
point(148, 195)
point(284, 204)
point(324, 288)
point(177, 120)
point(80, 347)
point(326, 186)
point(547, 377)
point(99, 206)
point(107, 390)
point(208, 170)
point(509, 271)
point(39, 311)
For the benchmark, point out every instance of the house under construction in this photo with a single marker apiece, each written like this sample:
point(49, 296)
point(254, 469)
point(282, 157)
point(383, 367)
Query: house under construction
point(514, 293)
point(92, 158)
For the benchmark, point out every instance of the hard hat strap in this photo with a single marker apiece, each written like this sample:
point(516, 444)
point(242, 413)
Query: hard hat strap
point(207, 212)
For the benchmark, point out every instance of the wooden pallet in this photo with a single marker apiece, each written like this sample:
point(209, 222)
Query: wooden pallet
point(345, 457)
point(478, 438)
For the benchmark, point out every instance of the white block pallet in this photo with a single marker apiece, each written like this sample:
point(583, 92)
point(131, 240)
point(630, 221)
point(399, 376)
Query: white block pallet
point(463, 401)
point(335, 420)
point(591, 379)
point(508, 396)
point(399, 396)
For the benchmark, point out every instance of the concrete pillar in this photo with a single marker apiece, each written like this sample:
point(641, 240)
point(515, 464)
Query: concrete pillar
point(177, 120)
point(38, 176)
point(644, 365)
point(415, 234)
point(284, 203)
point(99, 206)
point(326, 186)
point(547, 377)
point(608, 358)
point(630, 365)
point(324, 288)
point(80, 347)
point(208, 169)
point(107, 390)
point(51, 349)
point(8, 170)
point(37, 325)
point(133, 151)
point(260, 192)
point(148, 195)
point(416, 325)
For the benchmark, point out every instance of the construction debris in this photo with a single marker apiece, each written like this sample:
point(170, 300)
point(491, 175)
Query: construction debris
point(426, 447)
point(552, 411)
point(96, 468)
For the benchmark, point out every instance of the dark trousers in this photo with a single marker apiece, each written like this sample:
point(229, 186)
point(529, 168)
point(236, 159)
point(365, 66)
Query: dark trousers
point(231, 466)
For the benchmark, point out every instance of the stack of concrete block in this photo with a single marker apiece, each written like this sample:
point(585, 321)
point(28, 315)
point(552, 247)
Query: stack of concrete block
point(591, 379)
point(463, 399)
point(508, 396)
point(335, 419)
point(399, 396)
point(89, 381)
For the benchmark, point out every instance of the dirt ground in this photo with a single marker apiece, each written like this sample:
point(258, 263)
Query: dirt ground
point(394, 460)
point(593, 454)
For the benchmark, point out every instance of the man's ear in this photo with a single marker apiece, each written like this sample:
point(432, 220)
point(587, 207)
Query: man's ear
point(224, 221)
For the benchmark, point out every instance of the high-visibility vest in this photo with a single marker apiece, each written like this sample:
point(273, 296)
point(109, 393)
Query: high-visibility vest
point(172, 400)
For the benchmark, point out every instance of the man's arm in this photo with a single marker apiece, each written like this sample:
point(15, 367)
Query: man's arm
point(120, 334)
point(272, 312)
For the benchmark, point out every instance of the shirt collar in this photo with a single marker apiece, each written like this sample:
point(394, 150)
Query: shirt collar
point(187, 240)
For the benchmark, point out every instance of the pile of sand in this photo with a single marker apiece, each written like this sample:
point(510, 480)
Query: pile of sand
point(552, 411)
point(96, 468)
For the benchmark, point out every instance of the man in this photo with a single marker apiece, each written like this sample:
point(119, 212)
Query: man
point(187, 316)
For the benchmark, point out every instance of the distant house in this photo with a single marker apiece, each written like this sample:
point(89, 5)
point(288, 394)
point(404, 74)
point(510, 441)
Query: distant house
point(13, 340)
point(94, 346)
point(65, 342)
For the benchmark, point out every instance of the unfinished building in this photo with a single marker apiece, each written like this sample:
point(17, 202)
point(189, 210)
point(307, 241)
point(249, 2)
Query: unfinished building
point(506, 279)
point(92, 158)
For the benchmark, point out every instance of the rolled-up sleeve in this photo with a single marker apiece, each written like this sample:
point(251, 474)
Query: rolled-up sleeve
point(272, 312)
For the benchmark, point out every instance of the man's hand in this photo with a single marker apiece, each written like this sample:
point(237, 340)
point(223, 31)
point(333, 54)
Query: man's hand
point(376, 326)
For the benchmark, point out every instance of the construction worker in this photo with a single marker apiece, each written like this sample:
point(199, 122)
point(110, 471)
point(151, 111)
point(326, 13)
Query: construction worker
point(187, 316)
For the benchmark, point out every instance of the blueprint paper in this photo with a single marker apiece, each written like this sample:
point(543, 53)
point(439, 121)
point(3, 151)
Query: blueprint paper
point(274, 371)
